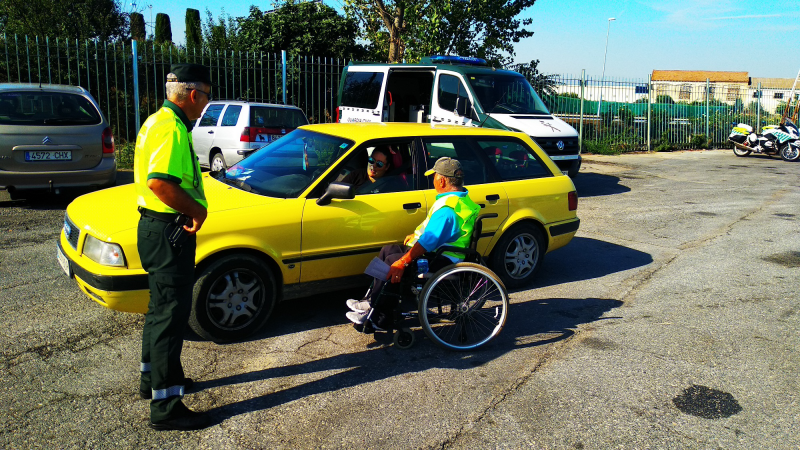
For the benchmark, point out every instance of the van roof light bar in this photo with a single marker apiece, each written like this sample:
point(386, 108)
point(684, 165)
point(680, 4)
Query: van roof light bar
point(454, 59)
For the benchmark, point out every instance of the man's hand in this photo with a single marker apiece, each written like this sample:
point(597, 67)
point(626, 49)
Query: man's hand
point(396, 270)
point(176, 198)
point(408, 239)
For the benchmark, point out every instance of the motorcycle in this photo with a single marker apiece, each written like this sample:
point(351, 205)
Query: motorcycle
point(782, 139)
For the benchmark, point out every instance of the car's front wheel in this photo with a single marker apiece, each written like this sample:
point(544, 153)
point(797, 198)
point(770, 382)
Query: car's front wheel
point(232, 298)
point(518, 254)
point(217, 162)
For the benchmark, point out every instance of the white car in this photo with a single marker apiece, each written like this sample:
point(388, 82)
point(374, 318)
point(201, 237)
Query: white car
point(230, 129)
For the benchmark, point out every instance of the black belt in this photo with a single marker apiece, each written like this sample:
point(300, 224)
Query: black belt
point(164, 217)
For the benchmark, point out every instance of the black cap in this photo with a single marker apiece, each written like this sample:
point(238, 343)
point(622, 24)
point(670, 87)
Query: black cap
point(188, 73)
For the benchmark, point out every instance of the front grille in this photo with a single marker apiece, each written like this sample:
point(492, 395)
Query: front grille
point(550, 145)
point(71, 231)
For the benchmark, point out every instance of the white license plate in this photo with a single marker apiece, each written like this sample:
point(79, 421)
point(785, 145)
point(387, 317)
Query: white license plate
point(49, 155)
point(63, 261)
point(274, 137)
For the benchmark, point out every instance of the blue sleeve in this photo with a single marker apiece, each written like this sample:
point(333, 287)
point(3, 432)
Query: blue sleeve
point(441, 229)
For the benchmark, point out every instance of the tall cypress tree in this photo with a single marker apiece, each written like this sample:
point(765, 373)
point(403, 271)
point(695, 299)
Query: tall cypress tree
point(138, 32)
point(163, 29)
point(194, 35)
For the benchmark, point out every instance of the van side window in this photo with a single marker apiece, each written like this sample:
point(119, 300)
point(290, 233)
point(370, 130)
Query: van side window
point(513, 159)
point(211, 116)
point(475, 171)
point(362, 89)
point(231, 116)
point(450, 89)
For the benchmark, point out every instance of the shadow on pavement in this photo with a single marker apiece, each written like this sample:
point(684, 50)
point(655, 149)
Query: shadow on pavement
point(529, 324)
point(586, 258)
point(596, 184)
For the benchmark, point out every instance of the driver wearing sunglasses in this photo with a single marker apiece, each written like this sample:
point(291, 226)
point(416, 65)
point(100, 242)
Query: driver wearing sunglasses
point(377, 166)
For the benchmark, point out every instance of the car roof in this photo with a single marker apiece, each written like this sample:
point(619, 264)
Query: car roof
point(460, 68)
point(43, 87)
point(363, 131)
point(245, 102)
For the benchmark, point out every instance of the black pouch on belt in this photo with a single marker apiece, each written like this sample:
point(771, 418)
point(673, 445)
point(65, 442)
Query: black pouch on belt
point(174, 231)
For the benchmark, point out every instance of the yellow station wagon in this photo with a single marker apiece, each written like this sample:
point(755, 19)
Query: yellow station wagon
point(283, 225)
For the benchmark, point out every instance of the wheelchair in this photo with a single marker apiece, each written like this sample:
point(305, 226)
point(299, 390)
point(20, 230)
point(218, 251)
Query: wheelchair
point(460, 307)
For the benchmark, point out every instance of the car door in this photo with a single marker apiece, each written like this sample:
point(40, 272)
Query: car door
point(362, 95)
point(203, 132)
point(452, 100)
point(482, 183)
point(339, 239)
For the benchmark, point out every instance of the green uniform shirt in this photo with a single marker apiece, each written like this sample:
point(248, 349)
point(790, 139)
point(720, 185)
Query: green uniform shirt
point(164, 150)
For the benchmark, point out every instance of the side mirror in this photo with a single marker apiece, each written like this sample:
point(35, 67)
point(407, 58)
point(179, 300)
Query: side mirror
point(344, 191)
point(462, 106)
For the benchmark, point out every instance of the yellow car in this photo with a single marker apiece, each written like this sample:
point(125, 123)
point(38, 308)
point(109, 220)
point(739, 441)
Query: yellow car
point(283, 225)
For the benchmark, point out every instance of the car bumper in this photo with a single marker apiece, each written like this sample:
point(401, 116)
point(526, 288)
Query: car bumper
point(127, 293)
point(562, 232)
point(102, 175)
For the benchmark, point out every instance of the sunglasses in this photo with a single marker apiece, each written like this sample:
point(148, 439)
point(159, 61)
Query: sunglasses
point(208, 94)
point(374, 162)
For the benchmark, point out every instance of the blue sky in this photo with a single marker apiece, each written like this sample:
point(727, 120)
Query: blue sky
point(759, 37)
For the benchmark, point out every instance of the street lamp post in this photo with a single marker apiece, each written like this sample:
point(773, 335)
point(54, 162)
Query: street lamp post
point(602, 77)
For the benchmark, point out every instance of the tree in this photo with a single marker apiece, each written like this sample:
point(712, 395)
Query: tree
point(138, 32)
point(300, 27)
point(544, 85)
point(74, 19)
point(163, 29)
point(222, 35)
point(411, 29)
point(194, 34)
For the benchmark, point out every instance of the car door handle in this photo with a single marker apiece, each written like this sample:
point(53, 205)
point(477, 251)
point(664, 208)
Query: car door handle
point(211, 132)
point(493, 197)
point(412, 206)
point(436, 119)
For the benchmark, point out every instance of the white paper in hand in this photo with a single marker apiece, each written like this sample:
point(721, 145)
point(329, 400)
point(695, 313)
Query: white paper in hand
point(377, 269)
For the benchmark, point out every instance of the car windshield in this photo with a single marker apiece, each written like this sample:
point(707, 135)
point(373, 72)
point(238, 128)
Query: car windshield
point(506, 94)
point(287, 167)
point(46, 108)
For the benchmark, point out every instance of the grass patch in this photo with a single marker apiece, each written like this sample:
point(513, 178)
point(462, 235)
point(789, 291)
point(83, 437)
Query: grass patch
point(125, 155)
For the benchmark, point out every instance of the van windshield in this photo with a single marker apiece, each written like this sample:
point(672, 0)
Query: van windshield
point(506, 94)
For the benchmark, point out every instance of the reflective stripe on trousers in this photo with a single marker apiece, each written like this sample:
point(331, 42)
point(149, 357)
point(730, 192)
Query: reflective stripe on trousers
point(144, 367)
point(172, 391)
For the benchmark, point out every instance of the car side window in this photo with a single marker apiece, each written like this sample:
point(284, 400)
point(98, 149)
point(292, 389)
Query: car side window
point(399, 177)
point(475, 171)
point(450, 89)
point(513, 159)
point(211, 116)
point(231, 115)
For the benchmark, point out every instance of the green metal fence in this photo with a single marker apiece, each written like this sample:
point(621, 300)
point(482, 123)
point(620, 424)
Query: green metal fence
point(612, 115)
point(123, 89)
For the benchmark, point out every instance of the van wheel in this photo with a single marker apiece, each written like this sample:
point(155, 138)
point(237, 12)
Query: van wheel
point(232, 298)
point(572, 172)
point(218, 162)
point(518, 254)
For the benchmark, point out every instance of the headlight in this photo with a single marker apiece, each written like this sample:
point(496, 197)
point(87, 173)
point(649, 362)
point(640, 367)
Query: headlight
point(103, 253)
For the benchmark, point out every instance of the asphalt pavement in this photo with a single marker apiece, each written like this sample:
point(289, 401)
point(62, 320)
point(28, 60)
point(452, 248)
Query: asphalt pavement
point(670, 321)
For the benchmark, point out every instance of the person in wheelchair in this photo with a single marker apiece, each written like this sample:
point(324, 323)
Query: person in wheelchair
point(450, 221)
point(372, 179)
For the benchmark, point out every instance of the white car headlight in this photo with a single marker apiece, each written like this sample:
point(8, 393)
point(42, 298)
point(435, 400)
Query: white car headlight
point(104, 253)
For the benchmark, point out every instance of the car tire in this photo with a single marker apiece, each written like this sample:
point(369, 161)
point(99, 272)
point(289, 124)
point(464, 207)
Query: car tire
point(518, 254)
point(217, 162)
point(232, 298)
point(572, 172)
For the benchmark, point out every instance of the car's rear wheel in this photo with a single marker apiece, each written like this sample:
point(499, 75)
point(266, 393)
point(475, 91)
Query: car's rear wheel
point(232, 298)
point(518, 254)
point(217, 162)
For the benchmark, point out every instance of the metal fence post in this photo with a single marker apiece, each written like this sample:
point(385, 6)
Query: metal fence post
point(708, 110)
point(649, 112)
point(283, 78)
point(136, 84)
point(580, 123)
point(758, 107)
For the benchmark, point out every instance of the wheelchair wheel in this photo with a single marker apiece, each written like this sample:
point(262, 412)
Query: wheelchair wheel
point(404, 338)
point(463, 306)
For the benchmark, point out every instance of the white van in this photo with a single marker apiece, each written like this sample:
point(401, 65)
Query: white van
point(455, 90)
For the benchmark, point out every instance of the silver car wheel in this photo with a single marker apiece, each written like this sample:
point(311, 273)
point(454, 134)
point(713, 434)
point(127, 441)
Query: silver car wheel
point(218, 163)
point(521, 256)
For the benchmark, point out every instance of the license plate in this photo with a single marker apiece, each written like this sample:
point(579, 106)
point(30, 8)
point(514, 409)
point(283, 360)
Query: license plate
point(63, 262)
point(274, 137)
point(49, 155)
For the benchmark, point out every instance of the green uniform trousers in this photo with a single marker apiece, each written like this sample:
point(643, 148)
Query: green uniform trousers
point(170, 277)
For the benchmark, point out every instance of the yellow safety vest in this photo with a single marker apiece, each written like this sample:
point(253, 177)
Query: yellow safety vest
point(466, 212)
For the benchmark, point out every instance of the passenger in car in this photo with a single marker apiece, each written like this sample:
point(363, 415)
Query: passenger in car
point(450, 222)
point(368, 180)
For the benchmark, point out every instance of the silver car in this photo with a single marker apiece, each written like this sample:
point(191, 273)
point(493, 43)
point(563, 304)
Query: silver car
point(52, 137)
point(230, 129)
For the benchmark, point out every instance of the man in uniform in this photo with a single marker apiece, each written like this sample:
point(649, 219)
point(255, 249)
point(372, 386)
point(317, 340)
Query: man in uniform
point(169, 187)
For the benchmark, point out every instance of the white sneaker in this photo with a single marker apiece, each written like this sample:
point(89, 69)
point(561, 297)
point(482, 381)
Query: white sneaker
point(357, 317)
point(358, 305)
